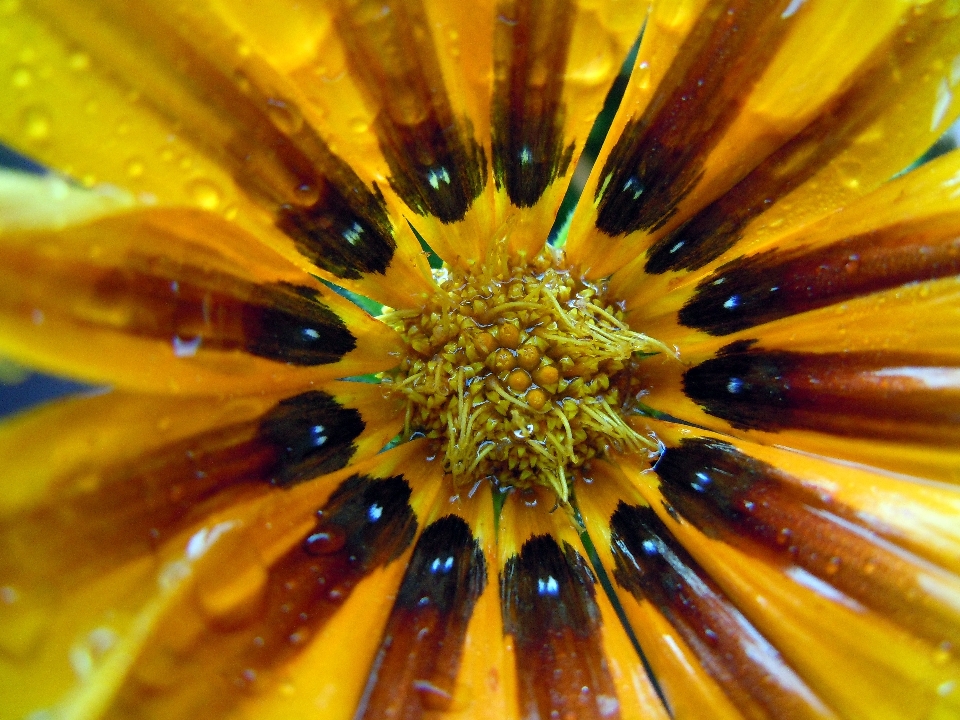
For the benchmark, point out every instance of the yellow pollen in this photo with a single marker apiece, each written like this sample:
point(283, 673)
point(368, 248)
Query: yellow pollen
point(521, 372)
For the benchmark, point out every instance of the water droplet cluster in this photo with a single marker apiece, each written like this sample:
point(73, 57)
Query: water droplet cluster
point(520, 371)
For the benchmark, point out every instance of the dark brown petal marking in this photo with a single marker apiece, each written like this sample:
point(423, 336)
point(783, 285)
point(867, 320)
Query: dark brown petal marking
point(887, 394)
point(366, 524)
point(754, 506)
point(659, 157)
point(547, 599)
point(191, 309)
point(653, 566)
point(312, 434)
point(293, 326)
point(148, 500)
point(346, 231)
point(416, 667)
point(531, 42)
point(437, 167)
point(771, 285)
point(273, 153)
point(718, 226)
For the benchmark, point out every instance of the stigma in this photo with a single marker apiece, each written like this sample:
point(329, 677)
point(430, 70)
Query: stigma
point(521, 371)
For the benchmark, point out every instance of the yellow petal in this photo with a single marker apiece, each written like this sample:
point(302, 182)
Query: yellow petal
point(141, 300)
point(857, 132)
point(199, 603)
point(867, 638)
point(179, 112)
point(707, 657)
point(553, 63)
point(565, 635)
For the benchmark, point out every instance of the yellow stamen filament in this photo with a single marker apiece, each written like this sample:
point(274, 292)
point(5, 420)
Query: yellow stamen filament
point(518, 369)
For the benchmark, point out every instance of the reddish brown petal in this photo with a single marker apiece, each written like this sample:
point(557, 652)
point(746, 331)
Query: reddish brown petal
point(417, 666)
point(653, 566)
point(659, 157)
point(532, 40)
point(745, 502)
point(892, 394)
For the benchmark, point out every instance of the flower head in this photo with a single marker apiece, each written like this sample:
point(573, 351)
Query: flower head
point(696, 458)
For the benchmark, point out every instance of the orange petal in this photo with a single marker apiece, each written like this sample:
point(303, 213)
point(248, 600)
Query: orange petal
point(709, 654)
point(852, 135)
point(138, 301)
point(419, 661)
point(243, 598)
point(182, 113)
point(553, 63)
point(862, 642)
point(571, 655)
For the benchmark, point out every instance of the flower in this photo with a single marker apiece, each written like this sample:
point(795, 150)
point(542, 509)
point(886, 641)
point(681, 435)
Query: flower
point(702, 461)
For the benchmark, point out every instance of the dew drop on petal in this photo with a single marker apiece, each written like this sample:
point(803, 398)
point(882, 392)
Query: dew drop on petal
point(204, 193)
point(135, 167)
point(79, 61)
point(285, 116)
point(36, 123)
point(23, 619)
point(21, 77)
point(230, 598)
point(324, 542)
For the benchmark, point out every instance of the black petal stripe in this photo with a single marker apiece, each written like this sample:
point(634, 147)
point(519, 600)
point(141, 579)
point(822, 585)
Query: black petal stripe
point(653, 566)
point(886, 394)
point(261, 137)
point(768, 286)
point(346, 231)
point(718, 226)
point(752, 505)
point(313, 435)
point(437, 166)
point(293, 326)
point(659, 157)
point(416, 667)
point(139, 505)
point(531, 43)
point(366, 524)
point(191, 309)
point(547, 599)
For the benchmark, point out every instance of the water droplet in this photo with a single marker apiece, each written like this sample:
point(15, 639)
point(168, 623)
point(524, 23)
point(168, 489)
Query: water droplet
point(230, 598)
point(325, 541)
point(79, 61)
point(23, 619)
point(36, 123)
point(307, 193)
point(21, 77)
point(432, 696)
point(135, 167)
point(942, 654)
point(204, 193)
point(183, 348)
point(284, 115)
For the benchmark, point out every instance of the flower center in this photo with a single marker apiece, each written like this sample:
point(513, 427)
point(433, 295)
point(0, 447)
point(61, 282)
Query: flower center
point(522, 372)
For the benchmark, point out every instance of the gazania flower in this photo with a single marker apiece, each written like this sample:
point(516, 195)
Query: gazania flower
point(701, 462)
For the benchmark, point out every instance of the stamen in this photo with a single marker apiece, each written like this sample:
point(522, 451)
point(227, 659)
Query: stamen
point(518, 368)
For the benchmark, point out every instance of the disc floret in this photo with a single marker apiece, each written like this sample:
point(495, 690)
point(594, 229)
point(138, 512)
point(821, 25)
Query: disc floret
point(519, 370)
